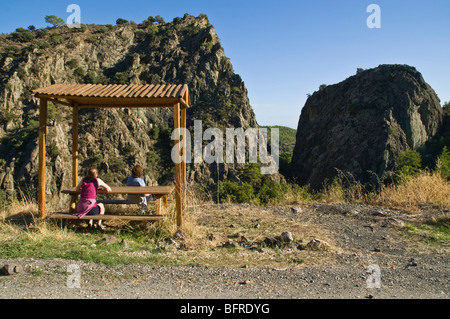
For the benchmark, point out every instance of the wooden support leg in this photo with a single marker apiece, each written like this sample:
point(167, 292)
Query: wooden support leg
point(178, 186)
point(42, 168)
point(158, 205)
point(165, 202)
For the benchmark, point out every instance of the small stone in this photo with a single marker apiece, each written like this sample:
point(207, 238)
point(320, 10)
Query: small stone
point(229, 243)
point(18, 269)
point(380, 213)
point(270, 241)
point(125, 243)
point(8, 270)
point(287, 237)
point(170, 241)
point(243, 239)
point(412, 263)
point(110, 240)
point(397, 222)
point(317, 244)
point(179, 235)
point(296, 210)
point(257, 226)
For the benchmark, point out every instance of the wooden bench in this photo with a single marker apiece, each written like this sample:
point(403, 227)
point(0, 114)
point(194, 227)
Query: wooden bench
point(160, 193)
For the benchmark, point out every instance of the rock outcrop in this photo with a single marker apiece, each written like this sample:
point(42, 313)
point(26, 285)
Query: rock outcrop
point(186, 50)
point(360, 126)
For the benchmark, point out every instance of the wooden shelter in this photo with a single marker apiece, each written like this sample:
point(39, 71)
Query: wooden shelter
point(79, 96)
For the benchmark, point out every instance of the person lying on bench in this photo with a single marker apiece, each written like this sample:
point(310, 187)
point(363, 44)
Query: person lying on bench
point(88, 188)
point(136, 180)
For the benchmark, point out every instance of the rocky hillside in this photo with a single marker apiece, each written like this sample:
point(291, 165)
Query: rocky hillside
point(361, 124)
point(186, 50)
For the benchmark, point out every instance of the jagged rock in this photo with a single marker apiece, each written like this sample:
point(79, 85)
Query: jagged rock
point(360, 126)
point(186, 51)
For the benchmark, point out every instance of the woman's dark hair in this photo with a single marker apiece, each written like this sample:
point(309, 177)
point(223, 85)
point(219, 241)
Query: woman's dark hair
point(137, 171)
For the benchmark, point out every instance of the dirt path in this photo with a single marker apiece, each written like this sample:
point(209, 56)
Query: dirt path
point(364, 235)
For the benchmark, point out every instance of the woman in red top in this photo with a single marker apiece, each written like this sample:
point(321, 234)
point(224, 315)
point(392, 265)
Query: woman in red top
point(88, 188)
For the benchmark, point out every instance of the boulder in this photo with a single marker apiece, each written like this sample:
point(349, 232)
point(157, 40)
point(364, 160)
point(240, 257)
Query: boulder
point(360, 126)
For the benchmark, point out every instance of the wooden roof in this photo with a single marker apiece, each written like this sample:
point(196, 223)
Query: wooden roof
point(116, 95)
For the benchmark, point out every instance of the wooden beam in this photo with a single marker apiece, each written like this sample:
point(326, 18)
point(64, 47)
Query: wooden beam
point(56, 101)
point(178, 194)
point(42, 168)
point(75, 146)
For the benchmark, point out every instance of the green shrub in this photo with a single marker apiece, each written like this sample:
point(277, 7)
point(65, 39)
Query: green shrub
point(79, 72)
point(152, 30)
point(116, 164)
point(154, 133)
point(149, 21)
point(235, 193)
point(121, 78)
point(446, 107)
point(443, 164)
point(269, 191)
point(41, 33)
point(11, 50)
point(121, 21)
point(73, 64)
point(408, 165)
point(22, 35)
point(56, 39)
point(159, 19)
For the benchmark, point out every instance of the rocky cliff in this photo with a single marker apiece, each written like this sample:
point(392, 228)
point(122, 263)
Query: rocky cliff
point(186, 50)
point(361, 124)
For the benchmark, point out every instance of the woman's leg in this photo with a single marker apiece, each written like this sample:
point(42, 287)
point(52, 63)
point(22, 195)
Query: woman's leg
point(102, 212)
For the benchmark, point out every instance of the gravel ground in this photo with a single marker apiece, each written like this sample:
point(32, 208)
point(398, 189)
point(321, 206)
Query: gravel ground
point(367, 235)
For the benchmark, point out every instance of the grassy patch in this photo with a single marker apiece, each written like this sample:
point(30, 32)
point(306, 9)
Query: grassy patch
point(433, 232)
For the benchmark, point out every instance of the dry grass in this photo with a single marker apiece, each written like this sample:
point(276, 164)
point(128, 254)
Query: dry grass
point(207, 226)
point(426, 188)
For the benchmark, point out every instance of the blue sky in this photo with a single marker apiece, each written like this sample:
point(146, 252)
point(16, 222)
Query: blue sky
point(285, 49)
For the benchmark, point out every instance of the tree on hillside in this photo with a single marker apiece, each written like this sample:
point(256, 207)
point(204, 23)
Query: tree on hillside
point(54, 21)
point(160, 19)
point(121, 21)
point(446, 107)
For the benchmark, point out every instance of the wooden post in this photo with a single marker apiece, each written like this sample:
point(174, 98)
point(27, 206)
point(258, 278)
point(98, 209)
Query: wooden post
point(158, 205)
point(42, 169)
point(178, 188)
point(75, 146)
point(183, 163)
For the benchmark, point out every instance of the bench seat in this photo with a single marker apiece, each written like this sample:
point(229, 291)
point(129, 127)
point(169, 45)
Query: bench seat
point(108, 217)
point(160, 194)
